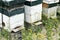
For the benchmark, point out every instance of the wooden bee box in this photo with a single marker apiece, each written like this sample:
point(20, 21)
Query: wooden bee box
point(13, 18)
point(33, 11)
point(50, 10)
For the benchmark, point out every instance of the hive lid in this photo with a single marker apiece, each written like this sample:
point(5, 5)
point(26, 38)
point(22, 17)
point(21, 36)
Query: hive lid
point(7, 0)
point(32, 3)
point(45, 5)
point(11, 2)
point(13, 12)
point(50, 1)
point(52, 5)
point(13, 7)
point(31, 0)
point(1, 10)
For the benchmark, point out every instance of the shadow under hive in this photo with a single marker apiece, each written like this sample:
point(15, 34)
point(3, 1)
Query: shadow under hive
point(33, 12)
point(50, 8)
point(16, 35)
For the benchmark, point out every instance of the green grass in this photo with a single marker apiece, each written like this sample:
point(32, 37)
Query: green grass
point(48, 23)
point(4, 34)
point(34, 33)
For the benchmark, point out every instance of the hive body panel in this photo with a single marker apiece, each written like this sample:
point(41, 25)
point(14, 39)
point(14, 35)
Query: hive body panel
point(6, 22)
point(58, 7)
point(0, 19)
point(50, 12)
point(33, 13)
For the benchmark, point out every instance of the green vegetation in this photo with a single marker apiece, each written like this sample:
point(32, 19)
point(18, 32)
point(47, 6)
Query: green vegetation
point(37, 33)
point(4, 34)
point(51, 26)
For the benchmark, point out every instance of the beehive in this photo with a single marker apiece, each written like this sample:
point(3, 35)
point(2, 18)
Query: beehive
point(12, 2)
point(33, 11)
point(13, 18)
point(50, 8)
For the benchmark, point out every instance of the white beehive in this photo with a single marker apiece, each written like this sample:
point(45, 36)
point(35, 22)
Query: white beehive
point(14, 19)
point(50, 8)
point(0, 17)
point(33, 11)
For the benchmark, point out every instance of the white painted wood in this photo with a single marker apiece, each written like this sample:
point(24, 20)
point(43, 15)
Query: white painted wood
point(0, 19)
point(6, 21)
point(58, 9)
point(7, 0)
point(33, 14)
point(31, 0)
point(38, 23)
point(50, 1)
point(45, 12)
point(13, 21)
point(20, 28)
point(56, 1)
point(50, 12)
point(16, 20)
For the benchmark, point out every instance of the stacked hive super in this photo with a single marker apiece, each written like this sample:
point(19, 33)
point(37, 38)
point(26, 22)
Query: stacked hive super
point(33, 12)
point(13, 15)
point(59, 7)
point(50, 8)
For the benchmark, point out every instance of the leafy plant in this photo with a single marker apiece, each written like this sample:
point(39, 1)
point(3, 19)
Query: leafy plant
point(5, 34)
point(49, 24)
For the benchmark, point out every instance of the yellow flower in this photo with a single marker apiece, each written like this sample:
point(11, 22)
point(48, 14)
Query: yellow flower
point(30, 30)
point(42, 36)
point(22, 39)
point(34, 36)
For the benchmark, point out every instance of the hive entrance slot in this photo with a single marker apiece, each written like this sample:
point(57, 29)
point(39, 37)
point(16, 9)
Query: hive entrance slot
point(3, 24)
point(17, 27)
